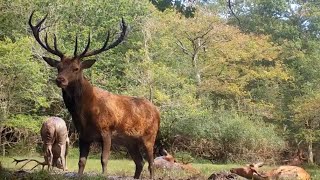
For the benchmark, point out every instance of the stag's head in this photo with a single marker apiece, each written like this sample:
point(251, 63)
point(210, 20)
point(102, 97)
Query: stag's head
point(70, 68)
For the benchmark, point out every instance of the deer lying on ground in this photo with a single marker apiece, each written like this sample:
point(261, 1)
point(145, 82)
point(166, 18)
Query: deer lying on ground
point(167, 161)
point(54, 135)
point(282, 172)
point(97, 113)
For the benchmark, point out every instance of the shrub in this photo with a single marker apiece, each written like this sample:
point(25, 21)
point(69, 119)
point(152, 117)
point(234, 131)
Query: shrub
point(20, 134)
point(222, 136)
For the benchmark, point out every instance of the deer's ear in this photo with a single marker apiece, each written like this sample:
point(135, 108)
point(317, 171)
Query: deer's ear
point(51, 62)
point(87, 63)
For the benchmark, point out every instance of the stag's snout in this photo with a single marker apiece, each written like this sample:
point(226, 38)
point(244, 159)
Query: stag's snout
point(61, 82)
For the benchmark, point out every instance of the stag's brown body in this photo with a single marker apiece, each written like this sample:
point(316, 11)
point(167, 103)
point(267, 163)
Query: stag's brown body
point(54, 135)
point(97, 113)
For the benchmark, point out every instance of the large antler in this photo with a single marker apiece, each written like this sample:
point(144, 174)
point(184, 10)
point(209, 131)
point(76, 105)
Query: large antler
point(29, 160)
point(105, 46)
point(36, 33)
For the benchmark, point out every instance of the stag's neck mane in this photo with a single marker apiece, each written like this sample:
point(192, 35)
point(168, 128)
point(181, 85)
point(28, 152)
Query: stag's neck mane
point(76, 94)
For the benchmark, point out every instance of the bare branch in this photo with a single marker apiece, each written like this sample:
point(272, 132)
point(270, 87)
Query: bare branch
point(230, 7)
point(184, 49)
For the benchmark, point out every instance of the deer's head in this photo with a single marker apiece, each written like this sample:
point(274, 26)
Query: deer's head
point(70, 68)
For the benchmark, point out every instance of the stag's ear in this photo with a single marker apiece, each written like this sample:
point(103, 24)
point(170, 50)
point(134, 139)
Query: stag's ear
point(51, 62)
point(87, 63)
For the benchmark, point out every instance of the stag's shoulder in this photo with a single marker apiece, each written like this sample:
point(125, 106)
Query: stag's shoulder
point(101, 93)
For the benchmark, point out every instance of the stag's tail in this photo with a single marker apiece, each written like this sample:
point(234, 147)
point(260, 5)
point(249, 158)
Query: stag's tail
point(159, 147)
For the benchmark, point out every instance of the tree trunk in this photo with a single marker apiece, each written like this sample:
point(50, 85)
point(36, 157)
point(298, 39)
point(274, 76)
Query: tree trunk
point(2, 143)
point(197, 74)
point(310, 153)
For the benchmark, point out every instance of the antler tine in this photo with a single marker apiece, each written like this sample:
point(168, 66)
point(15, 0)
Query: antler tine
point(18, 161)
point(86, 48)
point(43, 164)
point(107, 40)
point(39, 163)
point(105, 47)
point(36, 33)
point(76, 47)
point(39, 23)
point(29, 160)
point(55, 44)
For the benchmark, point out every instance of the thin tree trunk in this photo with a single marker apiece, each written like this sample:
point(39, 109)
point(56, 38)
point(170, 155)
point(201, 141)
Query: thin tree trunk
point(3, 148)
point(196, 69)
point(310, 153)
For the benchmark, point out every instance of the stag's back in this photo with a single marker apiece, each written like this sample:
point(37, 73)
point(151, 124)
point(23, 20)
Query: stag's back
point(128, 115)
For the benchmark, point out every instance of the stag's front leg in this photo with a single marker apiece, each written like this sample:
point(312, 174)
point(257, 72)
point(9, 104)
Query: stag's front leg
point(106, 145)
point(84, 151)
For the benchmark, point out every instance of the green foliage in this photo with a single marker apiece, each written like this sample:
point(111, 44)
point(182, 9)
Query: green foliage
point(306, 118)
point(184, 157)
point(26, 122)
point(263, 74)
point(294, 25)
point(23, 80)
point(239, 137)
point(187, 8)
point(238, 134)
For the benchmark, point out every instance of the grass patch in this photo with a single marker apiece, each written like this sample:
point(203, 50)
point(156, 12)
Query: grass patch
point(123, 168)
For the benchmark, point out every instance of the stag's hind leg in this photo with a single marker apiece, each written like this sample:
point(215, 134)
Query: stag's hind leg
point(148, 145)
point(106, 145)
point(136, 156)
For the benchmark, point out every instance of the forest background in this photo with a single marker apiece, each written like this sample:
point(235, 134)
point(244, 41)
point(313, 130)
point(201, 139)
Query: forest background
point(229, 88)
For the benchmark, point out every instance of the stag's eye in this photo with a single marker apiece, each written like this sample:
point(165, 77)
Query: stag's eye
point(75, 69)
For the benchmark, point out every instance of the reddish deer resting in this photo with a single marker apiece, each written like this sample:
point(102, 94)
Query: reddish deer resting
point(167, 161)
point(97, 113)
point(280, 173)
point(54, 135)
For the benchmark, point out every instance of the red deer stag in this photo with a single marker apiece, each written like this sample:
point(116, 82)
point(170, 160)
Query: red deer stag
point(54, 135)
point(97, 113)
